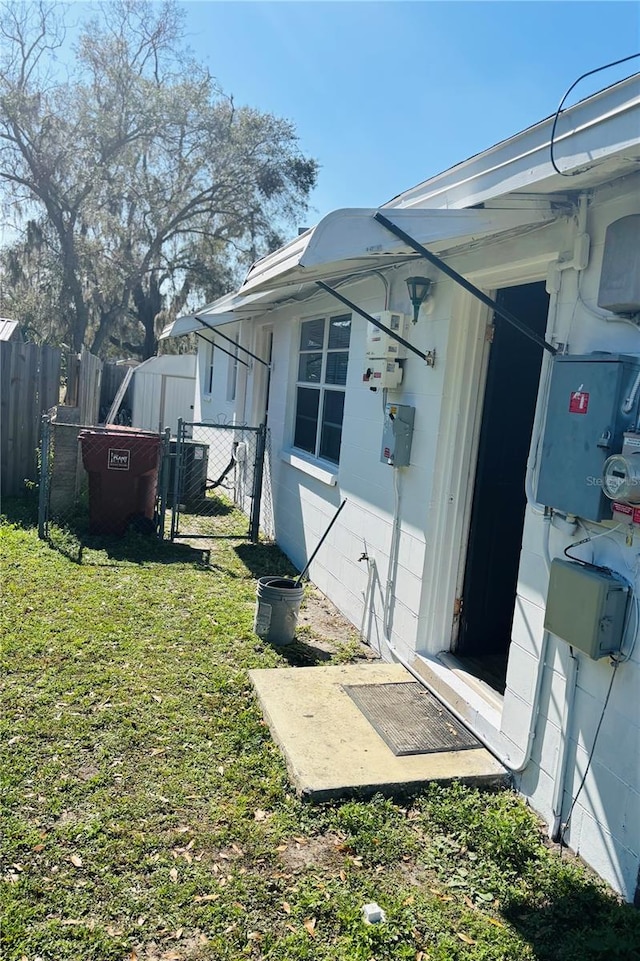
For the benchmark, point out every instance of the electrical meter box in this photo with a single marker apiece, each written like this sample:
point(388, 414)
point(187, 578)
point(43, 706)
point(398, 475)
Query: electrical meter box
point(593, 400)
point(620, 275)
point(386, 374)
point(586, 607)
point(379, 344)
point(397, 435)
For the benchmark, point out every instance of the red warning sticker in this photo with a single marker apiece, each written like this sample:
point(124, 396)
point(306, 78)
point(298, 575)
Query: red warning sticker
point(578, 402)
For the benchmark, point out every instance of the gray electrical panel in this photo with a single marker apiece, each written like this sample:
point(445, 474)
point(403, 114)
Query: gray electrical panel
point(587, 416)
point(586, 607)
point(397, 435)
point(620, 275)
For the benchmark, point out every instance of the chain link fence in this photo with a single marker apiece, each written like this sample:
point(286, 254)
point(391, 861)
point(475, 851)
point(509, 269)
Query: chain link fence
point(98, 480)
point(206, 482)
point(217, 483)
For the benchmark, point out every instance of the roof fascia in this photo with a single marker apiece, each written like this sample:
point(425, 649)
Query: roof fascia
point(591, 131)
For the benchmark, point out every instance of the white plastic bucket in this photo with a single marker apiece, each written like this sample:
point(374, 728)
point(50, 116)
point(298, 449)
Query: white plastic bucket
point(277, 609)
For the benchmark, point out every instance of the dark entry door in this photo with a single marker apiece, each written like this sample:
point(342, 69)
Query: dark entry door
point(497, 515)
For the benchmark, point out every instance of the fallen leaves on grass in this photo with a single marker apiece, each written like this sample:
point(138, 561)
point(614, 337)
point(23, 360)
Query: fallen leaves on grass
point(173, 874)
point(465, 937)
point(76, 860)
point(310, 925)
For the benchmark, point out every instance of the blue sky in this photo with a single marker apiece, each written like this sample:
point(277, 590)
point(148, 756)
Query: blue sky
point(386, 94)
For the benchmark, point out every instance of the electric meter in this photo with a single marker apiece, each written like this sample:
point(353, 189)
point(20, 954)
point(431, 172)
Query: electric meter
point(621, 478)
point(380, 345)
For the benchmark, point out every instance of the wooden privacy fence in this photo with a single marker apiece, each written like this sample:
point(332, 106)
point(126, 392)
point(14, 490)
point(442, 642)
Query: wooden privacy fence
point(84, 379)
point(29, 386)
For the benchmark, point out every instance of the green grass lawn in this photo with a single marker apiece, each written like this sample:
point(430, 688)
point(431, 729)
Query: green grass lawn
point(148, 815)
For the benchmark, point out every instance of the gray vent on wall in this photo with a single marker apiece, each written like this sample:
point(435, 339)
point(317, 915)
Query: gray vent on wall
point(620, 277)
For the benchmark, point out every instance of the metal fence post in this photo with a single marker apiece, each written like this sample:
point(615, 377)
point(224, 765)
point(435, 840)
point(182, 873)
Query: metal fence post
point(256, 494)
point(177, 479)
point(164, 480)
point(43, 492)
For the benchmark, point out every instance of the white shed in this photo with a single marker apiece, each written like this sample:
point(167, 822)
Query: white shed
point(163, 391)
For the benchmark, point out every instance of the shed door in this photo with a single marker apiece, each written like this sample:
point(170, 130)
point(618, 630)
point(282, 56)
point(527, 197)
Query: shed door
point(178, 396)
point(497, 515)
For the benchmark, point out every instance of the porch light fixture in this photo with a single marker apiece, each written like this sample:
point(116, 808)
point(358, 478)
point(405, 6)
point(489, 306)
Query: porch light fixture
point(419, 288)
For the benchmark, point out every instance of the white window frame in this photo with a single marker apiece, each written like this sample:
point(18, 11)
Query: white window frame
point(322, 387)
point(208, 369)
point(232, 373)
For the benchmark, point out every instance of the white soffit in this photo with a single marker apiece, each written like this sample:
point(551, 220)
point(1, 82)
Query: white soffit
point(349, 240)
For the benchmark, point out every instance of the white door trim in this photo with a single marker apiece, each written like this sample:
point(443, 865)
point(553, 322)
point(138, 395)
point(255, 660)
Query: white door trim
point(449, 513)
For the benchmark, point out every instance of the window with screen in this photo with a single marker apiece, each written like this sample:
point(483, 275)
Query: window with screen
point(323, 358)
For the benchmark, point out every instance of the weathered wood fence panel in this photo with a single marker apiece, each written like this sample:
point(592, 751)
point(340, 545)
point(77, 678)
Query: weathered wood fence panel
point(29, 386)
point(89, 387)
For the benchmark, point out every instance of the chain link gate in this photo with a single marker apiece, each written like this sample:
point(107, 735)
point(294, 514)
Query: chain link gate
point(214, 480)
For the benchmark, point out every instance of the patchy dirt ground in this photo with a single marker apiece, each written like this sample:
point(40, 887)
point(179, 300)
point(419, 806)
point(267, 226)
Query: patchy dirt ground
point(325, 633)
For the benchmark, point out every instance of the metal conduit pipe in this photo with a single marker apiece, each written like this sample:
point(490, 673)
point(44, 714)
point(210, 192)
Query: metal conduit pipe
point(502, 757)
point(560, 777)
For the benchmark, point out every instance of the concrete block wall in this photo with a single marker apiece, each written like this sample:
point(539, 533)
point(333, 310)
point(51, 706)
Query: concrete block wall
point(304, 503)
point(603, 827)
point(605, 823)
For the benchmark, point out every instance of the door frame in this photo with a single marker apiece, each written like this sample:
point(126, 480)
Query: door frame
point(511, 361)
point(449, 514)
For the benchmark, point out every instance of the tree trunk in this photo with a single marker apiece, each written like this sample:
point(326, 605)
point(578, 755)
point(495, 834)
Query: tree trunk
point(148, 304)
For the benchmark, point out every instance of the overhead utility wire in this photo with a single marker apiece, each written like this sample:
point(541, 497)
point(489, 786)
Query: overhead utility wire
point(606, 66)
point(463, 282)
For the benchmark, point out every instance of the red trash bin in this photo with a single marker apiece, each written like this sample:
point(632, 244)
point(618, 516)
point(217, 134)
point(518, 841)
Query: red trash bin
point(122, 464)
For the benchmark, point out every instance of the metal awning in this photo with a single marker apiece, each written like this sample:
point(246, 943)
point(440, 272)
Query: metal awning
point(350, 240)
point(225, 310)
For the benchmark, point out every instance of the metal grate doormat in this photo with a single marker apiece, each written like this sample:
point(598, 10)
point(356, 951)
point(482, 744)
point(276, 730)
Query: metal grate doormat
point(409, 719)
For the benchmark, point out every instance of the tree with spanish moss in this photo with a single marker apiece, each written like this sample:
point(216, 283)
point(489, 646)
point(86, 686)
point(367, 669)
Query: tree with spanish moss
point(133, 185)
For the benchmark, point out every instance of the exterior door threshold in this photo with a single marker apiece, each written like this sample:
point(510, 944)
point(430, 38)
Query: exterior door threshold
point(467, 696)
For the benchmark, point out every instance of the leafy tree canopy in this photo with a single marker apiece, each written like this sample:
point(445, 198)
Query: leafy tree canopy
point(133, 184)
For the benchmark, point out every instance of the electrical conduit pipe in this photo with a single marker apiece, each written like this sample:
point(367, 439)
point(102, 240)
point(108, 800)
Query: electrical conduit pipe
point(502, 756)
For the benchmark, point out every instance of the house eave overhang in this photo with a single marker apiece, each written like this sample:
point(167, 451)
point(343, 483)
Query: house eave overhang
point(596, 140)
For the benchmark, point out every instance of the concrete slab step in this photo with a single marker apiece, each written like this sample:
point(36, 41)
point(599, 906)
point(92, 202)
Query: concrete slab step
point(331, 749)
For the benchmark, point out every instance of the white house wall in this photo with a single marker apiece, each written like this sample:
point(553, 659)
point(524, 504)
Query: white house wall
point(435, 496)
point(605, 825)
point(304, 504)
